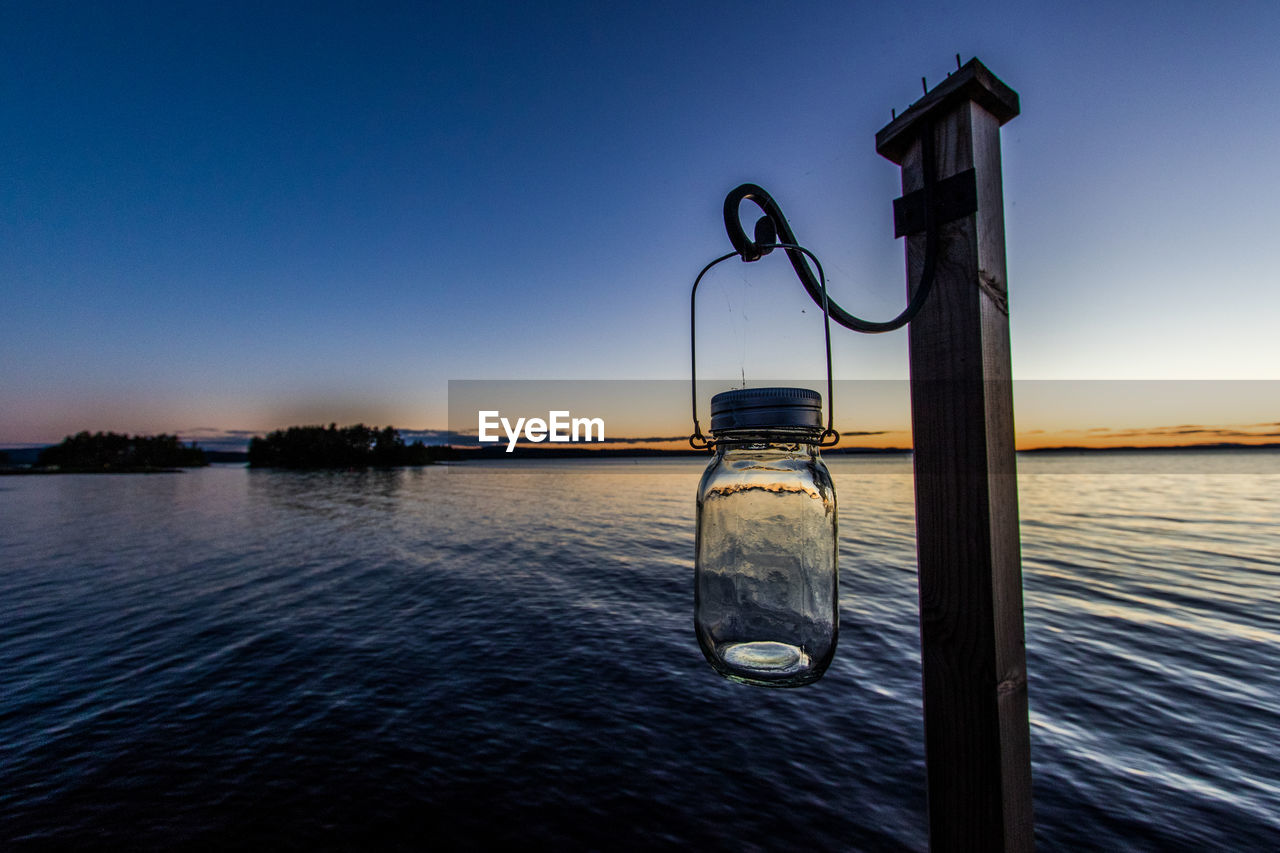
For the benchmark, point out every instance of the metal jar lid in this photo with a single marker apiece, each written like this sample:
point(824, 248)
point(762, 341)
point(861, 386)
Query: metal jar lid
point(766, 408)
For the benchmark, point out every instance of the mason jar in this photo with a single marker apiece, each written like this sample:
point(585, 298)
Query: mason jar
point(766, 599)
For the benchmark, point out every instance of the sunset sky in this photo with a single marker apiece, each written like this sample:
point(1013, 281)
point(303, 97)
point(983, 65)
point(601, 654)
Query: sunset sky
point(225, 218)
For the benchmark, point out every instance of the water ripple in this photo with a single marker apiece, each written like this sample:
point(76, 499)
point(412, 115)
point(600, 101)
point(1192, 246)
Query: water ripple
point(502, 654)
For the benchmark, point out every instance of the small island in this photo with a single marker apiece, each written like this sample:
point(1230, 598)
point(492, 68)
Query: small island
point(115, 453)
point(358, 446)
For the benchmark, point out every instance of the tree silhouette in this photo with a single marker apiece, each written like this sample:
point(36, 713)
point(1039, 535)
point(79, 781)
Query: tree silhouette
point(109, 451)
point(356, 446)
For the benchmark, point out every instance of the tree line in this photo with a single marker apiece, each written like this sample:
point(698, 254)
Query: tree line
point(357, 446)
point(109, 451)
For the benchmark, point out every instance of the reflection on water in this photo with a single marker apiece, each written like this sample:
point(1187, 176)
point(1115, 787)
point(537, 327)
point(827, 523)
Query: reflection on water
point(1153, 597)
point(505, 653)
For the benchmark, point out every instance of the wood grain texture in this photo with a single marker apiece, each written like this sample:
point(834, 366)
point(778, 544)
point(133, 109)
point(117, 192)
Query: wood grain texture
point(977, 741)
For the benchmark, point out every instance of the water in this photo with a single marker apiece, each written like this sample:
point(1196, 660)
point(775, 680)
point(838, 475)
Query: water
point(504, 654)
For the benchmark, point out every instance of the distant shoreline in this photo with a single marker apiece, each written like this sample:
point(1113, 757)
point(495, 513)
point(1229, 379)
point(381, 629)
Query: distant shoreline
point(1225, 445)
point(522, 453)
point(624, 453)
point(35, 471)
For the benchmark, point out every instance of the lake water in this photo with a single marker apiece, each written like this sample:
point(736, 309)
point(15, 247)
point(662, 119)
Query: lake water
point(504, 653)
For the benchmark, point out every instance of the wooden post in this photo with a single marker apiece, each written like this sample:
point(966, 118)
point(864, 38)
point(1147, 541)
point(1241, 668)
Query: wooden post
point(977, 739)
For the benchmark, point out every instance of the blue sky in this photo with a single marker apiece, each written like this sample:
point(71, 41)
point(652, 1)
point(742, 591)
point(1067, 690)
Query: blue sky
point(231, 217)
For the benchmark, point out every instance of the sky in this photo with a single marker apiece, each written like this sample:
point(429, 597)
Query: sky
point(221, 219)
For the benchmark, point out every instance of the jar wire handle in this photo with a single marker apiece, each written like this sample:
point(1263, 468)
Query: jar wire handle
point(829, 437)
point(773, 225)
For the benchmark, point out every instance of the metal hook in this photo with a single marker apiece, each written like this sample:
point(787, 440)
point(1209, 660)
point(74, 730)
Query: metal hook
point(772, 231)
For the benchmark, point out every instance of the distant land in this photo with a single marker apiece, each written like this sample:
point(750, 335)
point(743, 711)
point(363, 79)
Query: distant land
point(526, 452)
point(226, 456)
point(355, 446)
point(26, 456)
point(106, 453)
point(1221, 445)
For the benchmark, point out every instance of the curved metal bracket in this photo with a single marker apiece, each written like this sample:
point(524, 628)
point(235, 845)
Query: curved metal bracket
point(772, 231)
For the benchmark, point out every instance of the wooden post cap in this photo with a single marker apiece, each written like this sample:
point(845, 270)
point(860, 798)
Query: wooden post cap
point(973, 82)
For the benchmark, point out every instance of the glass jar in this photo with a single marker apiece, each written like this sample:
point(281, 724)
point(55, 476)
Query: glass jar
point(766, 596)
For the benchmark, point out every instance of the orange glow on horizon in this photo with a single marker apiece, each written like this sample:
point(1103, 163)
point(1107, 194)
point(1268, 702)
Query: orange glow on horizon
point(1183, 436)
point(1187, 435)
